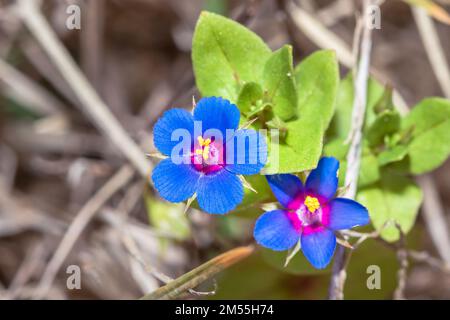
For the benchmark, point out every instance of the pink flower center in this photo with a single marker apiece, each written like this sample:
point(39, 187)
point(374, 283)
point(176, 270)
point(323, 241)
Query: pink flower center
point(208, 155)
point(308, 212)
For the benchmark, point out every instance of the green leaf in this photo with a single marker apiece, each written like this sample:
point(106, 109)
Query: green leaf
point(300, 150)
point(200, 274)
point(317, 83)
point(430, 144)
point(385, 124)
point(317, 80)
point(279, 83)
point(226, 55)
point(168, 217)
point(394, 154)
point(393, 198)
point(385, 103)
point(369, 172)
point(250, 97)
point(336, 148)
point(342, 121)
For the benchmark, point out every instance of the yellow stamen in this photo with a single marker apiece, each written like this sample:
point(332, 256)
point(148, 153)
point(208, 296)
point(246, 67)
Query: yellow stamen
point(312, 203)
point(206, 153)
point(203, 142)
point(204, 147)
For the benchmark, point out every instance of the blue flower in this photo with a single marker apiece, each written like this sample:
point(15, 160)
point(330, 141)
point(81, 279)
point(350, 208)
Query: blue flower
point(207, 153)
point(310, 214)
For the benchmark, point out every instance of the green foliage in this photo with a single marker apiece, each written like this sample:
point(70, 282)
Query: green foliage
point(342, 120)
point(233, 62)
point(250, 98)
point(385, 124)
point(317, 80)
point(394, 199)
point(430, 143)
point(317, 84)
point(394, 154)
point(226, 55)
point(291, 283)
point(308, 103)
point(392, 149)
point(279, 82)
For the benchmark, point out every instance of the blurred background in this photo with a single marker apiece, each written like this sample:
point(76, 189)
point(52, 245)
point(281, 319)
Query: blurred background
point(68, 196)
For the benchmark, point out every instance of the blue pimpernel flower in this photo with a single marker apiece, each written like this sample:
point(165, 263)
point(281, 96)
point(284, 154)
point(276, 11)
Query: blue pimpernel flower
point(212, 161)
point(310, 215)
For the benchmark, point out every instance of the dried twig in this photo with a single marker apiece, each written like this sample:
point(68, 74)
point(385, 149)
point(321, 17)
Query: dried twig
point(91, 102)
point(434, 216)
point(433, 210)
point(27, 92)
point(78, 224)
point(425, 257)
point(402, 256)
point(336, 289)
point(433, 47)
point(91, 41)
point(37, 57)
point(318, 33)
point(195, 277)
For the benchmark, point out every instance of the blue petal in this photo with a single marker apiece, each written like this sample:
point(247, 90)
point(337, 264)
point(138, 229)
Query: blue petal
point(217, 113)
point(346, 214)
point(219, 192)
point(170, 121)
point(248, 152)
point(285, 187)
point(275, 231)
point(323, 180)
point(318, 247)
point(175, 182)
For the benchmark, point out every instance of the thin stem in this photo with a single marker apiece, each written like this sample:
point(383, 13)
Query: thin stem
point(339, 274)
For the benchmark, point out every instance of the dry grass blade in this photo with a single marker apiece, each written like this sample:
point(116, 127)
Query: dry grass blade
point(28, 93)
point(432, 9)
point(319, 34)
point(433, 47)
point(91, 103)
point(78, 224)
point(336, 289)
point(435, 218)
point(195, 277)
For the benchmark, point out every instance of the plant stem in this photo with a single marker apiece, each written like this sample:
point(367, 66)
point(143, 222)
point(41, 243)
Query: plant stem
point(339, 274)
